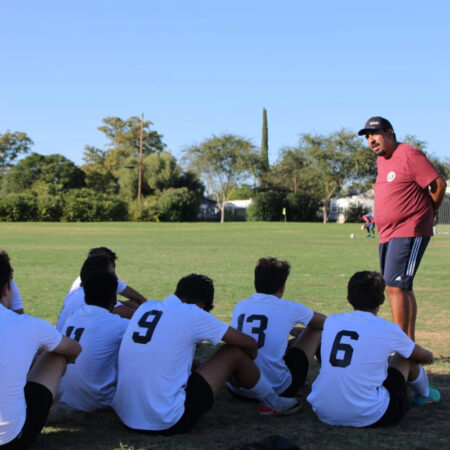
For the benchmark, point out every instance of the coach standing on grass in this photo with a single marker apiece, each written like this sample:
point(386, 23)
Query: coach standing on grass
point(408, 193)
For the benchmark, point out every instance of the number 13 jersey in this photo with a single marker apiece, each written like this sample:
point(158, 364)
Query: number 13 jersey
point(269, 319)
point(355, 348)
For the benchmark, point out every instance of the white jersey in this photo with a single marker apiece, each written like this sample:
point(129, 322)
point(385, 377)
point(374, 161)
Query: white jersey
point(21, 336)
point(75, 300)
point(355, 348)
point(16, 302)
point(155, 361)
point(90, 383)
point(269, 319)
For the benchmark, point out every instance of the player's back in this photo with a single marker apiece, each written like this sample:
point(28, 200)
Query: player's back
point(354, 351)
point(155, 361)
point(90, 383)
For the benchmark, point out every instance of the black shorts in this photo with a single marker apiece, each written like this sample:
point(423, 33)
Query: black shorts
point(400, 259)
point(398, 404)
point(298, 364)
point(199, 400)
point(39, 401)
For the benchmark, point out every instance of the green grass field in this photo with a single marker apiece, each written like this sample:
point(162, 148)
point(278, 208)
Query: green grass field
point(152, 258)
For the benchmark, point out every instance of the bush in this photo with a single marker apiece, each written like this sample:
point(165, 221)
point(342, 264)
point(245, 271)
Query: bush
point(177, 205)
point(83, 205)
point(301, 207)
point(267, 206)
point(354, 212)
point(144, 211)
point(50, 208)
point(18, 208)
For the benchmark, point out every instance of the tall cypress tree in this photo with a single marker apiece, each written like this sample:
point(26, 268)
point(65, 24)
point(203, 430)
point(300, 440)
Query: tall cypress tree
point(265, 144)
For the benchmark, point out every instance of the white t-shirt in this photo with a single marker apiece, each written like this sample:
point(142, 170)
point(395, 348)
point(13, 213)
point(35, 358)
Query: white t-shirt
point(75, 299)
point(21, 336)
point(355, 350)
point(155, 360)
point(269, 319)
point(90, 383)
point(16, 302)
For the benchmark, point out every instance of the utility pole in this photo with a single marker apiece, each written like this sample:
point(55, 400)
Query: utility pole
point(141, 137)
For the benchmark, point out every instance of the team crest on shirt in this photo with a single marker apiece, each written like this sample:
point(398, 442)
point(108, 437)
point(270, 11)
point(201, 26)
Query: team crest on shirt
point(390, 176)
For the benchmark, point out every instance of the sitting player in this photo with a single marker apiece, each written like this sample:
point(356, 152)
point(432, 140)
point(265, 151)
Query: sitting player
point(156, 391)
point(269, 319)
point(26, 395)
point(75, 297)
point(91, 382)
point(359, 384)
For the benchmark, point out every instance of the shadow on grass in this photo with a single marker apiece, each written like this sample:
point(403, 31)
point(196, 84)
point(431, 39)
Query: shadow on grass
point(232, 422)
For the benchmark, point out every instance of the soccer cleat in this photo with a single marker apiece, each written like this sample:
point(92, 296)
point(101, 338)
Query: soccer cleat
point(433, 397)
point(286, 410)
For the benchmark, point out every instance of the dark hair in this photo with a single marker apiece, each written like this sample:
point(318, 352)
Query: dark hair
point(95, 263)
point(196, 288)
point(365, 290)
point(100, 289)
point(5, 271)
point(103, 251)
point(270, 275)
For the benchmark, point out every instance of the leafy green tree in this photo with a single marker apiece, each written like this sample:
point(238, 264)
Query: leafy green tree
point(177, 205)
point(160, 172)
point(12, 145)
point(124, 139)
point(53, 170)
point(223, 163)
point(99, 176)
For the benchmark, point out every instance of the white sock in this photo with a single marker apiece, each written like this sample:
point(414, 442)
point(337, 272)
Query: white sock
point(421, 385)
point(264, 392)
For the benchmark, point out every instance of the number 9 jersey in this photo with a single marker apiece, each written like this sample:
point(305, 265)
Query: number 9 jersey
point(355, 348)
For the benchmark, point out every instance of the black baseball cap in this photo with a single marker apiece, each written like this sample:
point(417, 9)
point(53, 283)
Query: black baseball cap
point(375, 123)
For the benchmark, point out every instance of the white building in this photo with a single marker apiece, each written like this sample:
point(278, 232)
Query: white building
point(338, 205)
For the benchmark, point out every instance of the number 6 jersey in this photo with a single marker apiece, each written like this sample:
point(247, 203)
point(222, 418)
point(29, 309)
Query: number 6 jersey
point(355, 349)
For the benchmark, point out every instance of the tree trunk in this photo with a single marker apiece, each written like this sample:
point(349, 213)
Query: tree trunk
point(325, 212)
point(222, 213)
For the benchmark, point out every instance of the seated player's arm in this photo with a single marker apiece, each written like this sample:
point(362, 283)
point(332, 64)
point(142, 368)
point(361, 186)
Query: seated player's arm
point(245, 342)
point(68, 348)
point(317, 321)
point(437, 192)
point(133, 295)
point(421, 355)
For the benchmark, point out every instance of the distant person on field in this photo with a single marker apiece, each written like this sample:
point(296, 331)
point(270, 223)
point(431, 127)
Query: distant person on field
point(408, 193)
point(75, 297)
point(269, 319)
point(91, 382)
point(26, 395)
point(158, 390)
point(369, 224)
point(359, 383)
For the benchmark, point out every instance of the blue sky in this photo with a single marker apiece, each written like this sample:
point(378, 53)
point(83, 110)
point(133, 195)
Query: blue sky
point(197, 68)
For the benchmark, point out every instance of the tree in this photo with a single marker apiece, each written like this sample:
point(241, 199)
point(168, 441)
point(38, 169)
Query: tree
point(55, 171)
point(264, 144)
point(12, 145)
point(124, 137)
point(99, 177)
point(160, 172)
point(223, 162)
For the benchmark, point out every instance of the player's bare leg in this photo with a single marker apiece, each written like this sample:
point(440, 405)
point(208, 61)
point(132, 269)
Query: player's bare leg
point(230, 360)
point(400, 307)
point(48, 370)
point(412, 314)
